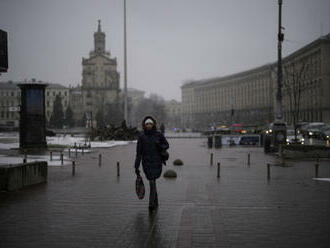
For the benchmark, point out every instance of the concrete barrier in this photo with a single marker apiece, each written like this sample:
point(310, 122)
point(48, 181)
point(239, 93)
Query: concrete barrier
point(14, 177)
point(305, 151)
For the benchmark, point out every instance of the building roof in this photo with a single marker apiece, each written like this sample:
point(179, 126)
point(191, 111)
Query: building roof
point(325, 38)
point(14, 85)
point(8, 85)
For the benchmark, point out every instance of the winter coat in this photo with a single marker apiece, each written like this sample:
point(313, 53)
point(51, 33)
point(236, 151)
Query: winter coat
point(150, 144)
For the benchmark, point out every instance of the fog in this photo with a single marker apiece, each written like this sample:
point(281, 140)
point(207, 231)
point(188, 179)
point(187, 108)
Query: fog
point(169, 42)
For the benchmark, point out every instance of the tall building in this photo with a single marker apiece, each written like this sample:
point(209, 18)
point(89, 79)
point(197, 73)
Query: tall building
point(249, 97)
point(100, 78)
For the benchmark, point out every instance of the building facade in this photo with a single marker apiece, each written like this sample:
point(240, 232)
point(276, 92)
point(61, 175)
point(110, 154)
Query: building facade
point(249, 97)
point(173, 113)
point(52, 90)
point(9, 104)
point(11, 100)
point(100, 78)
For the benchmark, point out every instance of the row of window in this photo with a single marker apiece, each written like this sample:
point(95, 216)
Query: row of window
point(65, 93)
point(6, 114)
point(10, 93)
point(7, 103)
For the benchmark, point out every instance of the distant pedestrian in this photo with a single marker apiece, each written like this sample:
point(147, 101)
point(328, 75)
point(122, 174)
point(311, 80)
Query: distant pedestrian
point(162, 128)
point(151, 143)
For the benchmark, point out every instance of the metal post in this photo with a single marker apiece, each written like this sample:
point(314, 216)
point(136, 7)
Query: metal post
point(73, 168)
point(25, 157)
point(316, 170)
point(249, 155)
point(279, 114)
point(125, 66)
point(76, 152)
point(61, 158)
point(118, 169)
point(100, 159)
point(69, 152)
point(51, 156)
point(211, 159)
point(218, 173)
point(82, 150)
point(268, 171)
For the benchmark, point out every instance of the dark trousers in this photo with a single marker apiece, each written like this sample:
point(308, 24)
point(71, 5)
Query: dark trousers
point(153, 197)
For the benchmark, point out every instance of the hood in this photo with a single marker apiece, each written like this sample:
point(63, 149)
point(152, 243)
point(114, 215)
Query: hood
point(153, 119)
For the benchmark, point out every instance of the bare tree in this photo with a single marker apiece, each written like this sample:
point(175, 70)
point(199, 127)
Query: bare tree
point(296, 73)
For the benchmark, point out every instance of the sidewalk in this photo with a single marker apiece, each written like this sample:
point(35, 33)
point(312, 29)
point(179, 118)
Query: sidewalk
point(95, 208)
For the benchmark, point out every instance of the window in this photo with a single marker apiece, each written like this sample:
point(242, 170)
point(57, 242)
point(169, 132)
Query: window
point(54, 93)
point(47, 103)
point(65, 93)
point(60, 93)
point(12, 93)
point(47, 93)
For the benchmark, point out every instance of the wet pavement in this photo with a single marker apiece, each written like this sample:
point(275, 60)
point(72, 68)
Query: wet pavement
point(95, 208)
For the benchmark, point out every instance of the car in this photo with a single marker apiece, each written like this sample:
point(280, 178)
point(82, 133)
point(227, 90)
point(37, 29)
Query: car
point(313, 130)
point(249, 140)
point(325, 132)
point(290, 138)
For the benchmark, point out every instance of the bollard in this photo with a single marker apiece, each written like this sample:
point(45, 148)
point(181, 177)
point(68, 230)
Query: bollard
point(118, 169)
point(211, 159)
point(61, 158)
point(218, 174)
point(268, 171)
point(82, 151)
point(100, 160)
point(51, 156)
point(25, 158)
point(76, 152)
point(75, 145)
point(73, 168)
point(248, 162)
point(69, 152)
point(316, 170)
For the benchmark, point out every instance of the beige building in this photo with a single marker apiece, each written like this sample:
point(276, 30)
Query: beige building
point(11, 97)
point(173, 113)
point(52, 90)
point(100, 78)
point(249, 97)
point(9, 104)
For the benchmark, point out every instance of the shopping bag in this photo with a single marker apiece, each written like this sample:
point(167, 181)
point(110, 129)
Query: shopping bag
point(139, 187)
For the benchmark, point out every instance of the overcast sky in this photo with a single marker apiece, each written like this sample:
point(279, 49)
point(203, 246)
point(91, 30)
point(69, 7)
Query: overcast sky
point(169, 41)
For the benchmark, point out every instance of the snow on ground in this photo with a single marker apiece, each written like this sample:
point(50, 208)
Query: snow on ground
point(11, 141)
point(322, 179)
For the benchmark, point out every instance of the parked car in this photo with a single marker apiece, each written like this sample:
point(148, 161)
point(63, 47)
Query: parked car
point(325, 132)
point(290, 138)
point(313, 130)
point(249, 140)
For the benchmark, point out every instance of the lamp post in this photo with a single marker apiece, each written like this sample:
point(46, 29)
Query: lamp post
point(125, 66)
point(279, 126)
point(280, 37)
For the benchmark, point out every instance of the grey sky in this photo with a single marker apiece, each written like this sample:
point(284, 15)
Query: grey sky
point(169, 41)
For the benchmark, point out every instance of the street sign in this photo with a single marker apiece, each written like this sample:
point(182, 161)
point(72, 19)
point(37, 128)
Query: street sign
point(14, 109)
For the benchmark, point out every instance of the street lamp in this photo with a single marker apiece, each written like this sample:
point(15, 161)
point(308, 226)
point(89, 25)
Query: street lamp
point(125, 66)
point(279, 126)
point(280, 37)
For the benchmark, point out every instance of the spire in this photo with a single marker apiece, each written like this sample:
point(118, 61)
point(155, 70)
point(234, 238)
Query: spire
point(99, 26)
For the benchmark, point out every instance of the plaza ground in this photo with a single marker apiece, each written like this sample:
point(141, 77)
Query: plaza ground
point(242, 208)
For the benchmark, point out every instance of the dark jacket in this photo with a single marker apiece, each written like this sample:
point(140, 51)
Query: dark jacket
point(149, 145)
